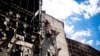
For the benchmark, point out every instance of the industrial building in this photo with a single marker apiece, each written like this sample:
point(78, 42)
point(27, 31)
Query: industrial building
point(76, 48)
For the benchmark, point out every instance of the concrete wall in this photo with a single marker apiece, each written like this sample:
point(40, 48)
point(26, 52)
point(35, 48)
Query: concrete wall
point(60, 40)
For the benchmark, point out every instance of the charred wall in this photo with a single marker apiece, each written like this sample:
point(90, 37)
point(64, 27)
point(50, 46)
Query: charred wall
point(19, 26)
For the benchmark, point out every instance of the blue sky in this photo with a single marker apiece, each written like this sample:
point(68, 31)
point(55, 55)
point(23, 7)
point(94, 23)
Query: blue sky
point(81, 19)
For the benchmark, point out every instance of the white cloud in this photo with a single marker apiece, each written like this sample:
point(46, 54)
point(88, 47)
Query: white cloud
point(86, 16)
point(61, 9)
point(78, 35)
point(90, 42)
point(74, 19)
point(99, 27)
point(69, 29)
point(83, 41)
point(56, 9)
point(97, 42)
point(91, 9)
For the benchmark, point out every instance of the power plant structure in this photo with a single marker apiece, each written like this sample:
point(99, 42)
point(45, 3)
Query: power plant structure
point(25, 30)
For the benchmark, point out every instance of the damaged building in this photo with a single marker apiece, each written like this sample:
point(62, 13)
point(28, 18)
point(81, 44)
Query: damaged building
point(56, 44)
point(20, 24)
point(26, 30)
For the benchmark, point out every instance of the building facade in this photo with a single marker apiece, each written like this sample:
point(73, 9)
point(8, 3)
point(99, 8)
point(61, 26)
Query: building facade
point(79, 49)
point(59, 39)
